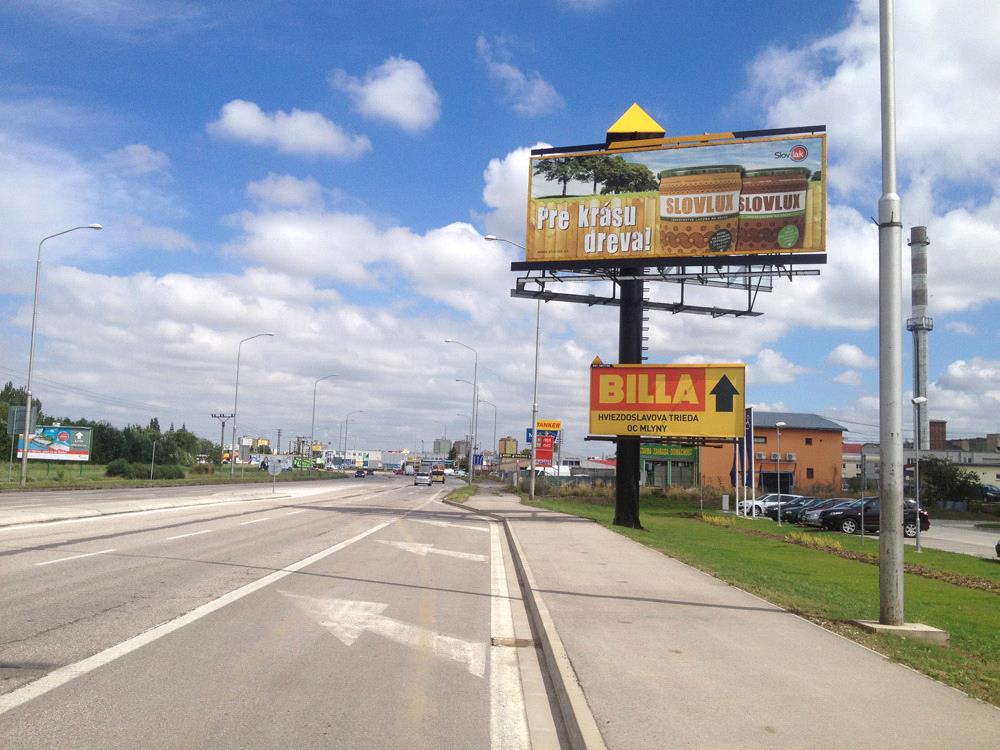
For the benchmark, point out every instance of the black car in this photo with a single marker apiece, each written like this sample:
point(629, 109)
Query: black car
point(359, 474)
point(811, 514)
point(848, 518)
point(789, 510)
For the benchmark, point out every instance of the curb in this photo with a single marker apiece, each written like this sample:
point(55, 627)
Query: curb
point(112, 514)
point(578, 720)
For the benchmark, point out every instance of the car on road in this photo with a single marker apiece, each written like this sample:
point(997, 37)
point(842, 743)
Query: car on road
point(359, 474)
point(848, 519)
point(422, 478)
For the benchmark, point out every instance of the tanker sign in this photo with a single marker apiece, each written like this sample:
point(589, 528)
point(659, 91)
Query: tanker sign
point(667, 400)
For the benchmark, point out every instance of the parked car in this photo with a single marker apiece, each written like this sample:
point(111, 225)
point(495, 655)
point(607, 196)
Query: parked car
point(991, 493)
point(789, 510)
point(848, 519)
point(759, 506)
point(422, 477)
point(359, 474)
point(812, 516)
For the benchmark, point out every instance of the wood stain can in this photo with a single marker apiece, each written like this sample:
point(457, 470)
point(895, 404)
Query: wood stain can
point(773, 209)
point(699, 209)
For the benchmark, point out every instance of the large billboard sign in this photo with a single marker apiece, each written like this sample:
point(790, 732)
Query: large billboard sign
point(667, 400)
point(680, 199)
point(58, 444)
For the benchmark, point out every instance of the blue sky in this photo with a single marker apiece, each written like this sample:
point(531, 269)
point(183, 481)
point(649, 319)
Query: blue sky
point(324, 170)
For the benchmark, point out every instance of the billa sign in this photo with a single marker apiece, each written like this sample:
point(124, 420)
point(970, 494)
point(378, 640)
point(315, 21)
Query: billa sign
point(689, 197)
point(667, 400)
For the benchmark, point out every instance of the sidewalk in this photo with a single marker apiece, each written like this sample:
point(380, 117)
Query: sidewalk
point(668, 656)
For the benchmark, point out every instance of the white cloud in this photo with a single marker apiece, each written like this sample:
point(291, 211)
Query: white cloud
point(297, 132)
point(285, 191)
point(398, 91)
point(957, 326)
point(139, 159)
point(772, 367)
point(850, 355)
point(140, 233)
point(505, 191)
point(848, 377)
point(529, 93)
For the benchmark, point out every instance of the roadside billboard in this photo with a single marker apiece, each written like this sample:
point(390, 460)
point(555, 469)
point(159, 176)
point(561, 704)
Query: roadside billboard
point(690, 197)
point(548, 425)
point(667, 400)
point(58, 444)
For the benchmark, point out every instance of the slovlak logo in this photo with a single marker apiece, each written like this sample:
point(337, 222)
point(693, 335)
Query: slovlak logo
point(799, 152)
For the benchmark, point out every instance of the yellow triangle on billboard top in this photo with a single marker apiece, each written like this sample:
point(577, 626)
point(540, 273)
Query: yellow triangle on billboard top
point(636, 120)
point(597, 362)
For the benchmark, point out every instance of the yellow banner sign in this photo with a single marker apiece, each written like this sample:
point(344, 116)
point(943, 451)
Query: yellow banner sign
point(661, 400)
point(548, 424)
point(680, 199)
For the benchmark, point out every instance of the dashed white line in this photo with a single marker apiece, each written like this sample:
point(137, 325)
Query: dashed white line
point(193, 533)
point(75, 557)
point(303, 510)
point(256, 520)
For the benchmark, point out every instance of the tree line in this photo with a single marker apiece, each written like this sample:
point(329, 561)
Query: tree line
point(613, 173)
point(134, 442)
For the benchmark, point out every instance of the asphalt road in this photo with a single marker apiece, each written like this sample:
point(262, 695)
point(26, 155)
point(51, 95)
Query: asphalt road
point(361, 616)
point(960, 536)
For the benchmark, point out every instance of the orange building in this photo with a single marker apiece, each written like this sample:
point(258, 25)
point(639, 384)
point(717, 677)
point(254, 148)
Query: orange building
point(810, 454)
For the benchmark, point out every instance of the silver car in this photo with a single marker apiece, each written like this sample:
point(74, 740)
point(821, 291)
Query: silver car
point(422, 478)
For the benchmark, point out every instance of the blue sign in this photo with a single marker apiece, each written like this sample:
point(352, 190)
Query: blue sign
point(529, 434)
point(477, 459)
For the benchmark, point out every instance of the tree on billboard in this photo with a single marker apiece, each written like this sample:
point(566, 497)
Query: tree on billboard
point(620, 176)
point(563, 171)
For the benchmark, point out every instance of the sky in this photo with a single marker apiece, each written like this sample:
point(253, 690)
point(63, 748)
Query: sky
point(326, 171)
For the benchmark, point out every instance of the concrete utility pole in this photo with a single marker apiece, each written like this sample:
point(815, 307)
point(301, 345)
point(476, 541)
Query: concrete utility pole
point(920, 325)
point(890, 288)
point(279, 442)
point(222, 440)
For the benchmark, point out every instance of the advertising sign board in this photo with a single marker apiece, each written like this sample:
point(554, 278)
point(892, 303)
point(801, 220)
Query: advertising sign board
point(548, 425)
point(58, 443)
point(648, 451)
point(687, 198)
point(682, 400)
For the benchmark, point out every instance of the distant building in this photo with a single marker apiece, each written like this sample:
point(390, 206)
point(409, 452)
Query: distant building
point(442, 445)
point(939, 435)
point(461, 447)
point(507, 445)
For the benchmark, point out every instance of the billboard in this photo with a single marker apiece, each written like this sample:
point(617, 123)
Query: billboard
point(682, 198)
point(667, 400)
point(58, 444)
point(549, 425)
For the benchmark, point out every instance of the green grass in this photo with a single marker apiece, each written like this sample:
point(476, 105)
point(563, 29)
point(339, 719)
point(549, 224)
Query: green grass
point(52, 476)
point(600, 197)
point(831, 590)
point(988, 525)
point(463, 493)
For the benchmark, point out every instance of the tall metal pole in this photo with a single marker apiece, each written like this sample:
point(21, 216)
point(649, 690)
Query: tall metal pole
point(312, 426)
point(152, 463)
point(494, 448)
point(629, 352)
point(475, 406)
point(236, 397)
point(31, 352)
point(534, 402)
point(890, 286)
point(918, 402)
point(778, 426)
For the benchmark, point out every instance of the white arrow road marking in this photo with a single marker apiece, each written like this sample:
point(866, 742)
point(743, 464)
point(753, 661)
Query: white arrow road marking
point(449, 524)
point(423, 549)
point(347, 620)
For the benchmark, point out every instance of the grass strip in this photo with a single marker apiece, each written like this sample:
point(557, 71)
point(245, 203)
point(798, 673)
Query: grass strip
point(827, 589)
point(463, 493)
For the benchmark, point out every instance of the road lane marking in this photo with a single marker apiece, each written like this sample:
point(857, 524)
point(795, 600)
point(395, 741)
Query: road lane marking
point(296, 511)
point(75, 557)
point(508, 719)
point(256, 520)
point(347, 620)
point(70, 672)
point(449, 524)
point(423, 550)
point(193, 533)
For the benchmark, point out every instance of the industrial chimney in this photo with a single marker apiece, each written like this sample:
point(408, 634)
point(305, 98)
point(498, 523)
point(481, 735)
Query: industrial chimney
point(920, 324)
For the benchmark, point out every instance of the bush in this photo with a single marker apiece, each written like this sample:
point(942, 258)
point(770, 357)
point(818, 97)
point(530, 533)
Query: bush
point(203, 469)
point(718, 520)
point(167, 471)
point(122, 468)
point(118, 468)
point(815, 541)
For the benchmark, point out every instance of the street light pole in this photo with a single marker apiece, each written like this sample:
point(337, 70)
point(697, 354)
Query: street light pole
point(475, 399)
point(468, 453)
point(236, 397)
point(779, 425)
point(494, 446)
point(31, 350)
point(312, 426)
point(347, 423)
point(152, 463)
point(534, 393)
point(917, 401)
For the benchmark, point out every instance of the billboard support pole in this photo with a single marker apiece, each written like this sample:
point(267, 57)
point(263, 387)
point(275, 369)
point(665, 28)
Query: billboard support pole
point(890, 288)
point(629, 353)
